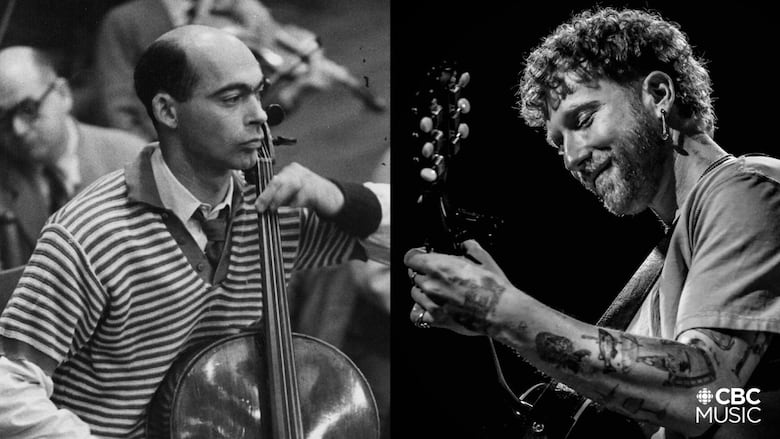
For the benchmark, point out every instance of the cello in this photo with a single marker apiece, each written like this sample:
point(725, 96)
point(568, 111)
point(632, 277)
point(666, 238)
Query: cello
point(266, 382)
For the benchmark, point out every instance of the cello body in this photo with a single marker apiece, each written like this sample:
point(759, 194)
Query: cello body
point(212, 392)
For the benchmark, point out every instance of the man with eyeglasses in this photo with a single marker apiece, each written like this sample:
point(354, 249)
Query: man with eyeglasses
point(46, 156)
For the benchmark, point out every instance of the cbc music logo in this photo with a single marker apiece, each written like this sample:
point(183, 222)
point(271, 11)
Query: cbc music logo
point(704, 396)
point(732, 406)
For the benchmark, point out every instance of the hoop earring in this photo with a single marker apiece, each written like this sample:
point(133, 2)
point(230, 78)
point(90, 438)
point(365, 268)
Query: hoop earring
point(664, 127)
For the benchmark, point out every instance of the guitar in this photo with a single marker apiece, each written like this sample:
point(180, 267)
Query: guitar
point(547, 409)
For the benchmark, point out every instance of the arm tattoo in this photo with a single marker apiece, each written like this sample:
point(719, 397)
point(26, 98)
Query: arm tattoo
point(514, 334)
point(685, 368)
point(559, 351)
point(722, 340)
point(758, 347)
point(617, 353)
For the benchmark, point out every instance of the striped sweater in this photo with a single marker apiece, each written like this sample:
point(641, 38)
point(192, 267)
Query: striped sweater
point(110, 295)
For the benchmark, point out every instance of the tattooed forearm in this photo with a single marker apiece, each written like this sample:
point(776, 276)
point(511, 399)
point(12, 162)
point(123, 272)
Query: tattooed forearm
point(512, 334)
point(685, 365)
point(559, 351)
point(617, 353)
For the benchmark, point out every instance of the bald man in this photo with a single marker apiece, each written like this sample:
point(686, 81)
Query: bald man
point(46, 156)
point(125, 277)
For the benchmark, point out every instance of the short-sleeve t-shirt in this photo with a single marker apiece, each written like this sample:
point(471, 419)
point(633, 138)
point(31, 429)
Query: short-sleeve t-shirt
point(722, 268)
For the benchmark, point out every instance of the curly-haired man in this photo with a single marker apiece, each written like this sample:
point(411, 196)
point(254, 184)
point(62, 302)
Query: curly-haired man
point(627, 104)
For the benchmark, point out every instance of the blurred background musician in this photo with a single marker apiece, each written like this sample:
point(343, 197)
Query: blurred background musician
point(292, 55)
point(46, 156)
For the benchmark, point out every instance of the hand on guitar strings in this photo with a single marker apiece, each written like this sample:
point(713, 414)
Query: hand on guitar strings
point(459, 293)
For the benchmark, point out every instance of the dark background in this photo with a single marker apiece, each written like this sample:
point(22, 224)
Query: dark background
point(561, 246)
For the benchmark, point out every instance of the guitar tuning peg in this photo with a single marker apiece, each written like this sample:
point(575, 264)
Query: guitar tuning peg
point(464, 106)
point(435, 108)
point(463, 132)
point(464, 79)
point(426, 124)
point(428, 175)
point(427, 150)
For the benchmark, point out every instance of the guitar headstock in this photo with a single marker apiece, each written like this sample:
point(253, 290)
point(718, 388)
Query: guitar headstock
point(440, 114)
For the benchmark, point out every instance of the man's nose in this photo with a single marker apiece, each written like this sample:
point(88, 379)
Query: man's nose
point(576, 151)
point(255, 113)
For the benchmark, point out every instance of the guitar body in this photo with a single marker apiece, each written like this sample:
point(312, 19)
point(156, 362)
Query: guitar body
point(552, 413)
point(212, 392)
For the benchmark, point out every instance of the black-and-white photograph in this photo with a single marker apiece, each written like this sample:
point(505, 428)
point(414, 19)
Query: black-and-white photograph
point(554, 149)
point(195, 220)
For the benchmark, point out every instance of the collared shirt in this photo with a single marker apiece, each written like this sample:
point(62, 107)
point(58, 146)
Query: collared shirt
point(111, 249)
point(67, 166)
point(179, 200)
point(128, 301)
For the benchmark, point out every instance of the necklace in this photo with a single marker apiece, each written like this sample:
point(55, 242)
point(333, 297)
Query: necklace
point(714, 165)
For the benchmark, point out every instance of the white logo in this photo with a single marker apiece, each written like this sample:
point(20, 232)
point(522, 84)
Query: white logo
point(704, 396)
point(734, 406)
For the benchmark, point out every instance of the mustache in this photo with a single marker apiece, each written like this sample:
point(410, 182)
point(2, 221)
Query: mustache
point(590, 169)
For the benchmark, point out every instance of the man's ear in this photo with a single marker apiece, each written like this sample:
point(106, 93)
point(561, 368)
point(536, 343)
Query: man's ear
point(164, 110)
point(658, 92)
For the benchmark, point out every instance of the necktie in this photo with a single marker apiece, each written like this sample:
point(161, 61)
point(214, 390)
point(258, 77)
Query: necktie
point(215, 230)
point(58, 194)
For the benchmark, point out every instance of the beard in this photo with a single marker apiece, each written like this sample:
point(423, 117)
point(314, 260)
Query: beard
point(630, 182)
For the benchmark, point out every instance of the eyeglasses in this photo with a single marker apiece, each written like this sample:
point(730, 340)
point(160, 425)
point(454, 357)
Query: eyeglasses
point(28, 110)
